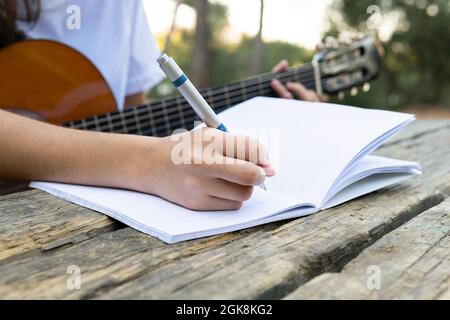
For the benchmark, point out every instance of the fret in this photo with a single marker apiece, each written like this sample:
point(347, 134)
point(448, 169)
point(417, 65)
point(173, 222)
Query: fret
point(83, 124)
point(96, 123)
point(210, 96)
point(152, 120)
point(136, 118)
point(159, 118)
point(180, 111)
point(227, 96)
point(101, 123)
point(109, 121)
point(130, 121)
point(243, 90)
point(260, 86)
point(123, 122)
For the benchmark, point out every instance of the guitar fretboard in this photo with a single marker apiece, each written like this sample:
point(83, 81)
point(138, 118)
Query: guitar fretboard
point(162, 117)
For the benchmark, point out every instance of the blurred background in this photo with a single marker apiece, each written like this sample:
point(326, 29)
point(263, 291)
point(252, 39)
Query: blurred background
point(220, 41)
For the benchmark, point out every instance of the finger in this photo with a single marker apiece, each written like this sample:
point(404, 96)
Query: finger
point(301, 92)
point(298, 90)
point(281, 90)
point(230, 191)
point(282, 66)
point(229, 148)
point(244, 174)
point(241, 147)
point(324, 98)
point(246, 148)
point(313, 96)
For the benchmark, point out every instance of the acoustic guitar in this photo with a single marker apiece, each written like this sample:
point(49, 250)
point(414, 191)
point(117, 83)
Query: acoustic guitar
point(49, 81)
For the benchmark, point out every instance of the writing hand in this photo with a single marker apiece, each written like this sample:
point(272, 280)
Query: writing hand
point(205, 179)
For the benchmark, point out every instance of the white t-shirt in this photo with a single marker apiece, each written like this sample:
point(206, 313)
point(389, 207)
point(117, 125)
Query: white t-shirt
point(113, 34)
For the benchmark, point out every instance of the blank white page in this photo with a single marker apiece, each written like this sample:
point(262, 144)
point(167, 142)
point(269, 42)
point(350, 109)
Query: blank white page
point(315, 141)
point(168, 221)
point(368, 166)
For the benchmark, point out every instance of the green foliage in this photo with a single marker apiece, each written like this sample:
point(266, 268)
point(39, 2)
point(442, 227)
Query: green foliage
point(417, 64)
point(229, 62)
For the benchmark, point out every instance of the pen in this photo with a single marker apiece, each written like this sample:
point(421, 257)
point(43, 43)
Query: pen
point(191, 94)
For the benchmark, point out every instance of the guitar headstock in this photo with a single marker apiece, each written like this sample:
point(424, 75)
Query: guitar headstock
point(349, 66)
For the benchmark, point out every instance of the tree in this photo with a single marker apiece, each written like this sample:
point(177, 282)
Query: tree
point(168, 41)
point(227, 62)
point(417, 68)
point(200, 72)
point(258, 44)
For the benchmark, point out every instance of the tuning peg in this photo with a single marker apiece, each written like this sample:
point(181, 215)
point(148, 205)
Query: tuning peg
point(341, 95)
point(345, 38)
point(366, 87)
point(331, 42)
point(354, 91)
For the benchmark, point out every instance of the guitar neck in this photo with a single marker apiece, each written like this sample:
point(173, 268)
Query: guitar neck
point(161, 117)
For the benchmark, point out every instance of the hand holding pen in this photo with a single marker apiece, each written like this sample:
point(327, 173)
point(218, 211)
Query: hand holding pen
point(200, 106)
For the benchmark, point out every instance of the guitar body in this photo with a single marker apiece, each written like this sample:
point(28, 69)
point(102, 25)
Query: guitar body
point(49, 81)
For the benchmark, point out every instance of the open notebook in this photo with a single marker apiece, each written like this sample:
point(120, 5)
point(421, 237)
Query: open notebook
point(321, 152)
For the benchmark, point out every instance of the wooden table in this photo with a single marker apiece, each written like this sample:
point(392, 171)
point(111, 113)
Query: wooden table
point(400, 236)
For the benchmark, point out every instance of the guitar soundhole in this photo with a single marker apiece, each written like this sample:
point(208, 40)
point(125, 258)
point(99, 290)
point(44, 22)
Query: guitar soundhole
point(26, 113)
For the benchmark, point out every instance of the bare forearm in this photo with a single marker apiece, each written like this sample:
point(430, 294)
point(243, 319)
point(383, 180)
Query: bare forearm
point(37, 151)
point(30, 150)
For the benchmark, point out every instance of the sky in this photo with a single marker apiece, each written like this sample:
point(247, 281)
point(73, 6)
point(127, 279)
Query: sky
point(295, 21)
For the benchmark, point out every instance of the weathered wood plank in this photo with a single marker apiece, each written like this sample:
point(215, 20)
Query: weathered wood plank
point(266, 262)
point(412, 262)
point(32, 222)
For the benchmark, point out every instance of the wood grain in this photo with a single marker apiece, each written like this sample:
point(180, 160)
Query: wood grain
point(413, 262)
point(33, 222)
point(263, 262)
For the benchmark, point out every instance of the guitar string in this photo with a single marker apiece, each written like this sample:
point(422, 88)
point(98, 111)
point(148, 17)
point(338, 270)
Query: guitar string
point(219, 105)
point(228, 95)
point(167, 122)
point(172, 101)
point(176, 121)
point(180, 120)
point(164, 118)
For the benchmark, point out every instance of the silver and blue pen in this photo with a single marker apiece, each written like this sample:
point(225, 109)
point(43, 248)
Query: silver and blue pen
point(191, 94)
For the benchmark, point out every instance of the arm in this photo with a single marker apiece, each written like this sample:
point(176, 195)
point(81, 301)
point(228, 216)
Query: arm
point(32, 150)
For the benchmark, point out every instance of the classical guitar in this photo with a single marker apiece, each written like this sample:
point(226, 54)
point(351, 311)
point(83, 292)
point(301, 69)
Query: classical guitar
point(52, 82)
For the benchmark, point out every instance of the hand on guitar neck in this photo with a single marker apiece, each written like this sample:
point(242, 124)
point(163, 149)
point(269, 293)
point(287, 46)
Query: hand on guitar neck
point(292, 90)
